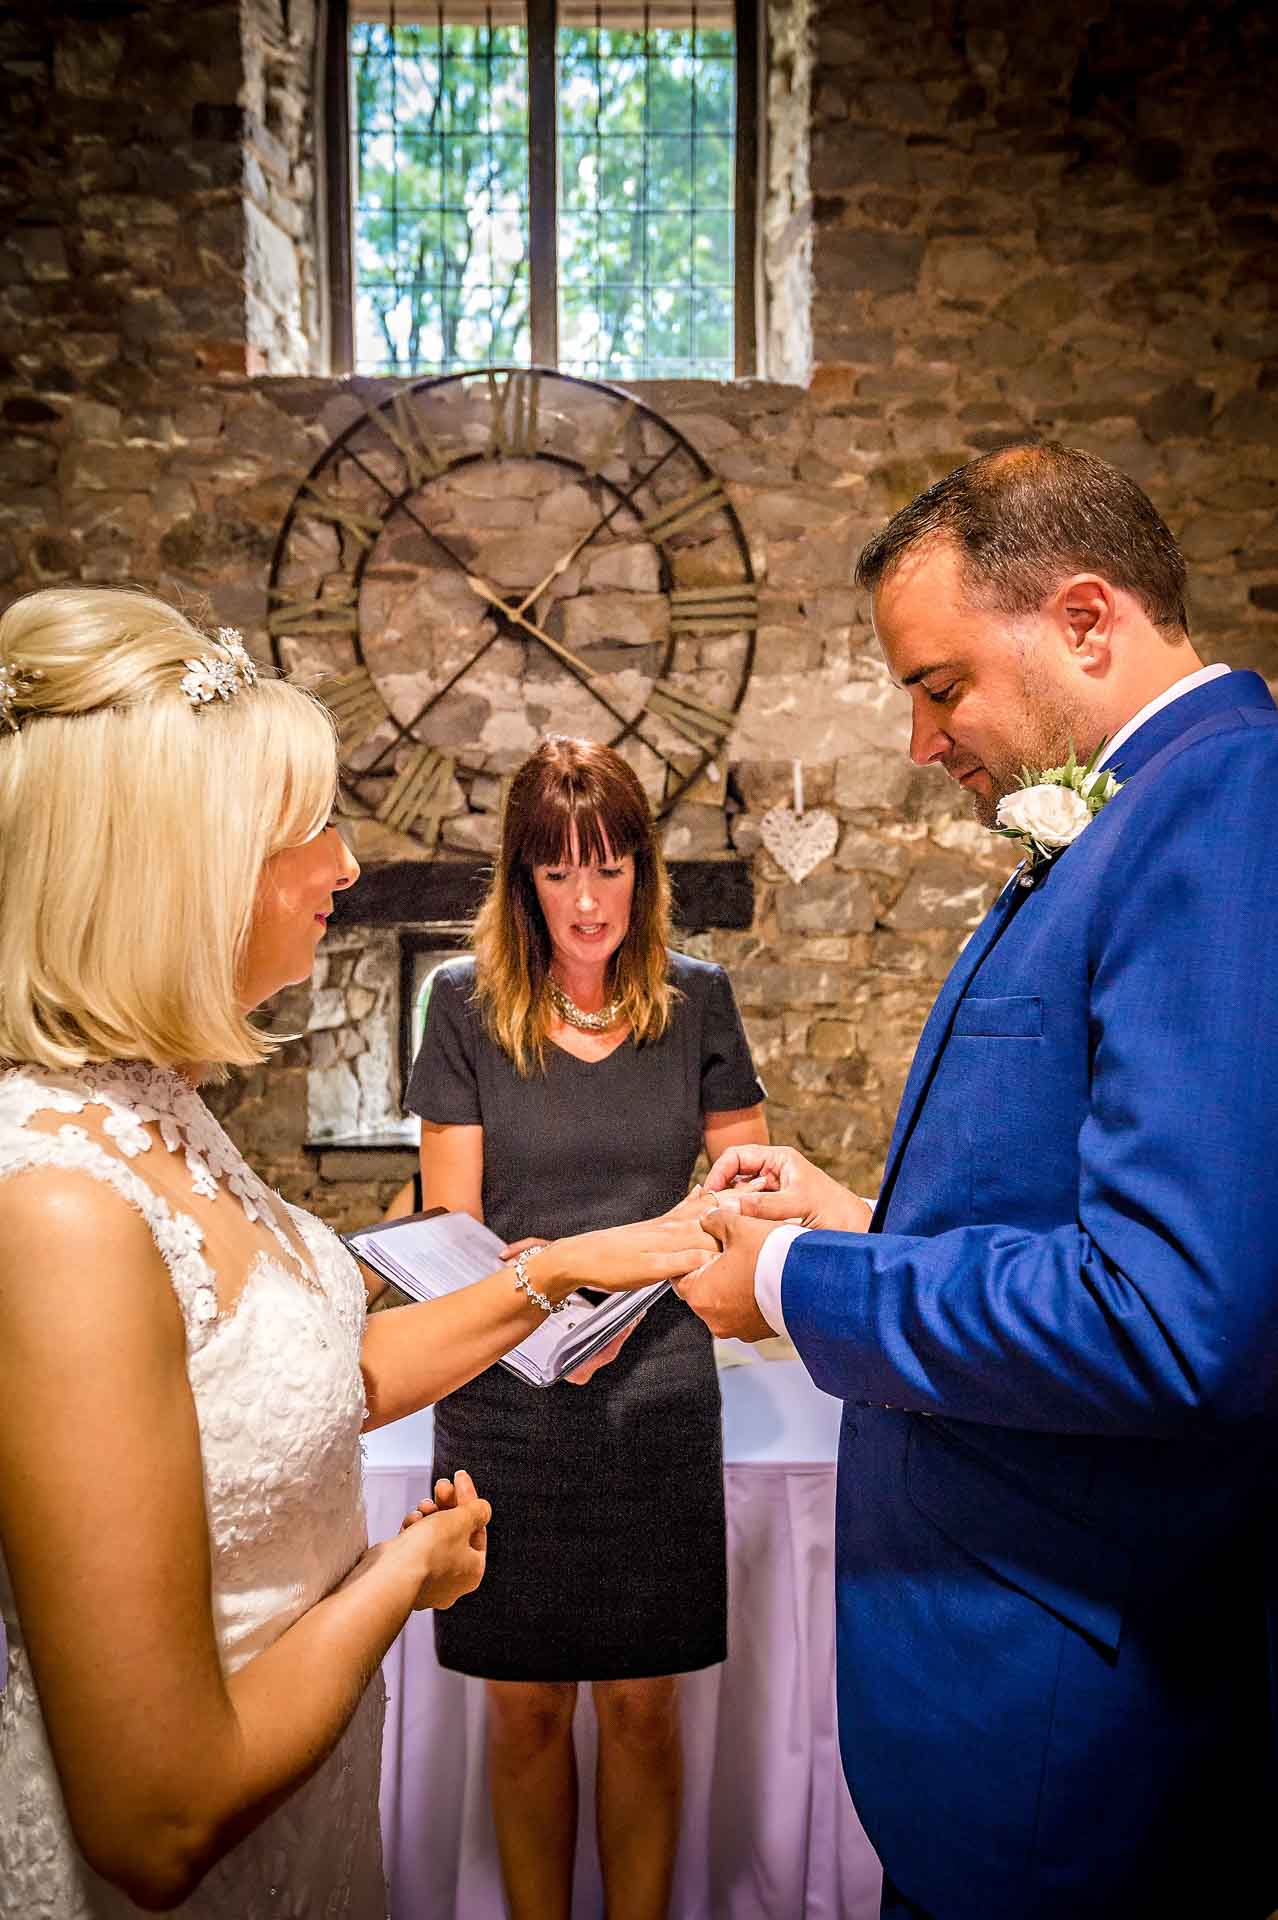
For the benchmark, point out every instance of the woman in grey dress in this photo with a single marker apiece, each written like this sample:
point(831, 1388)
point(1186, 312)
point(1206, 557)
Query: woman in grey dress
point(569, 1077)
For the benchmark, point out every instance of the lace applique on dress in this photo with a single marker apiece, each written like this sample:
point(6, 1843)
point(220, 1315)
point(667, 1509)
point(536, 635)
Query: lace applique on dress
point(178, 1237)
point(138, 1096)
point(279, 1400)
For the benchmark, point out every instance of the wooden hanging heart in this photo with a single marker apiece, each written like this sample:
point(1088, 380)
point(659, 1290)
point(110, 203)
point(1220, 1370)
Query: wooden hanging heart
point(798, 842)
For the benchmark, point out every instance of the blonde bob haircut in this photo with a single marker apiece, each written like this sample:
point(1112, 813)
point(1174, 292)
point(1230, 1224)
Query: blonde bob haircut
point(570, 801)
point(134, 829)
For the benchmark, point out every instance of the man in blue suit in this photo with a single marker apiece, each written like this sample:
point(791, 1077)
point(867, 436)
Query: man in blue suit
point(1056, 1333)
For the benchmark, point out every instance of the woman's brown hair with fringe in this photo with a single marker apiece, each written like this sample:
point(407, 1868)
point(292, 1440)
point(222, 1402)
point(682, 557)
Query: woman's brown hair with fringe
point(577, 803)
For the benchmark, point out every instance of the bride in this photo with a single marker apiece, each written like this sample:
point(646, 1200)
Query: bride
point(191, 1717)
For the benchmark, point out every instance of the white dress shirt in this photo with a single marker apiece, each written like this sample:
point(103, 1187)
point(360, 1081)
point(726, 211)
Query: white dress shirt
point(772, 1256)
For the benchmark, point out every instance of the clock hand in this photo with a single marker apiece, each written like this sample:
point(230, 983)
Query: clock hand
point(561, 566)
point(485, 592)
point(627, 499)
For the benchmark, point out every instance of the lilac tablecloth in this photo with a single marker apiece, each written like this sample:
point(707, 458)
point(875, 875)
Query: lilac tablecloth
point(769, 1832)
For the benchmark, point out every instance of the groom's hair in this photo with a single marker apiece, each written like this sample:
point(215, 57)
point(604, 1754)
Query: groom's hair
point(1026, 517)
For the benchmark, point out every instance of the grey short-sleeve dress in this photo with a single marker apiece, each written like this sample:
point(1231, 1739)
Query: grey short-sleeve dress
point(606, 1556)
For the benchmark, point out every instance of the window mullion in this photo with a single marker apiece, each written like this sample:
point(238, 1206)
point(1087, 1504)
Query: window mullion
point(543, 182)
point(750, 30)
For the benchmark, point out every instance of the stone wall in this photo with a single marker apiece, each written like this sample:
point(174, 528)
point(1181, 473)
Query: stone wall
point(1055, 226)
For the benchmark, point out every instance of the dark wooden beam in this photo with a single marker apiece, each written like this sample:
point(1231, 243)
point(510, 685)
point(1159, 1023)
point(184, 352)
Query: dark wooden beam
point(707, 894)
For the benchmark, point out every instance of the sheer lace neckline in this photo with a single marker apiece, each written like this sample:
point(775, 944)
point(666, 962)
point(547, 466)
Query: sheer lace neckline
point(139, 1096)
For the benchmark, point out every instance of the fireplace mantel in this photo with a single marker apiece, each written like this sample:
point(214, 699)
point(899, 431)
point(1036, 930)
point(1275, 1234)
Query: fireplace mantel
point(707, 894)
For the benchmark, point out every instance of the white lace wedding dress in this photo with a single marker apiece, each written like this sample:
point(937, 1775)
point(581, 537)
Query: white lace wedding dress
point(273, 1362)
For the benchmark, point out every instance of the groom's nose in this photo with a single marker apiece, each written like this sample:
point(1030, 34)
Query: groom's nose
point(928, 739)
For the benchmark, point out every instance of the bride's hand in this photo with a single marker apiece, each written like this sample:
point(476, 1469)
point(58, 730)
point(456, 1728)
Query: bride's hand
point(451, 1534)
point(694, 1204)
point(619, 1259)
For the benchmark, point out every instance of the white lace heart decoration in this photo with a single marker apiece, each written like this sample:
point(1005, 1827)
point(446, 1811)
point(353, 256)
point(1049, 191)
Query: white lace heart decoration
point(798, 842)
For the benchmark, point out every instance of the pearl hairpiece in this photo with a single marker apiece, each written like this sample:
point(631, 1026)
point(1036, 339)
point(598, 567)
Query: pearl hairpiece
point(222, 672)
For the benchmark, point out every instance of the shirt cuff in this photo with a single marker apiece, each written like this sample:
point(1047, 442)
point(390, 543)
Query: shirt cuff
point(768, 1269)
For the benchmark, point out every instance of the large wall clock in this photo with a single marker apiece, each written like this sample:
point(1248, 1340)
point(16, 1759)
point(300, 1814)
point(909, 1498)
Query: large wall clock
point(483, 558)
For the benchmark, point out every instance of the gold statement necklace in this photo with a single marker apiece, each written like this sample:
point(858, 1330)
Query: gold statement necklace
point(576, 1016)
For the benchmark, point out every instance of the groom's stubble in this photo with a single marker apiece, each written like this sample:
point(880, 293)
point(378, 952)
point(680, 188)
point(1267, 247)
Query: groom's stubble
point(1045, 722)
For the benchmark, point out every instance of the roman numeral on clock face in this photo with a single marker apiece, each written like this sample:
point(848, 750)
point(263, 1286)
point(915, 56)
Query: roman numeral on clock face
point(418, 793)
point(686, 510)
point(403, 428)
point(316, 504)
point(515, 399)
point(706, 726)
point(698, 610)
point(356, 706)
point(338, 614)
point(601, 450)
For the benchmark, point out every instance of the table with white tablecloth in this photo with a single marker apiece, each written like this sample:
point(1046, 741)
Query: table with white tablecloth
point(769, 1832)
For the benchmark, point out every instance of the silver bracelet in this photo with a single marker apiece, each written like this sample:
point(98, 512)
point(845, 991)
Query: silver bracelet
point(525, 1285)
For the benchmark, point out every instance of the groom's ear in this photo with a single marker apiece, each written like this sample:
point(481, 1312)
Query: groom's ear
point(1086, 610)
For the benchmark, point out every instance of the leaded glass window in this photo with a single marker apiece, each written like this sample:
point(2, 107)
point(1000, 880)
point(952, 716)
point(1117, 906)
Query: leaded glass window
point(637, 270)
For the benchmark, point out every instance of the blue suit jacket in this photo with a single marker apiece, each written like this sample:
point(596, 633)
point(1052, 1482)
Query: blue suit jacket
point(1058, 1353)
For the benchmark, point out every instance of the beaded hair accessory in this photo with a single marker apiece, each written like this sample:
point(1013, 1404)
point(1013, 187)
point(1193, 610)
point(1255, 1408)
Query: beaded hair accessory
point(15, 683)
point(227, 669)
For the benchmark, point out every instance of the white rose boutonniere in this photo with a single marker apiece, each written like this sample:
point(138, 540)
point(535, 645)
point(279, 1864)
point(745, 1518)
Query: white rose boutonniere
point(1052, 806)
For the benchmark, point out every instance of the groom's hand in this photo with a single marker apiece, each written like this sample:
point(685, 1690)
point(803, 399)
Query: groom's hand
point(722, 1292)
point(777, 1183)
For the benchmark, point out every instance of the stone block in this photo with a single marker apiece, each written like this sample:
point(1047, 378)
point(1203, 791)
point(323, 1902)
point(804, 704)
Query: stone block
point(326, 1050)
point(826, 903)
point(632, 569)
point(774, 984)
point(1249, 417)
point(867, 262)
point(861, 852)
point(91, 420)
point(966, 269)
point(872, 777)
point(87, 352)
point(1182, 411)
point(616, 619)
point(328, 1010)
point(52, 557)
point(766, 1038)
point(695, 832)
point(44, 253)
point(1040, 305)
point(473, 833)
point(941, 892)
point(332, 1103)
point(101, 468)
point(1212, 536)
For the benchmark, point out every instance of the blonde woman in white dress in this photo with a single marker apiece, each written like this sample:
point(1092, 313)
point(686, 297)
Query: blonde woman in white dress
point(190, 1718)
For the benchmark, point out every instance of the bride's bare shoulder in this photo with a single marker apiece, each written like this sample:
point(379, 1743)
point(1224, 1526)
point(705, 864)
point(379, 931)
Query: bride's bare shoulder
point(75, 1244)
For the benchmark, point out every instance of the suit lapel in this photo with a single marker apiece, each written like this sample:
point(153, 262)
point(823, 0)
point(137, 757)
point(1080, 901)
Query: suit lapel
point(937, 1030)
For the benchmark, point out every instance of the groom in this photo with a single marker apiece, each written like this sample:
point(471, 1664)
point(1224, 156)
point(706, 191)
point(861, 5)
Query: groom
point(1056, 1336)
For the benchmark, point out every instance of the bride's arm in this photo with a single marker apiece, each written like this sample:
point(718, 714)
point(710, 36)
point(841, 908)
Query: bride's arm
point(164, 1762)
point(414, 1355)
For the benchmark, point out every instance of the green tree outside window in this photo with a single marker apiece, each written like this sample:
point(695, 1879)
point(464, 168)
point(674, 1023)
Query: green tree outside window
point(645, 215)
